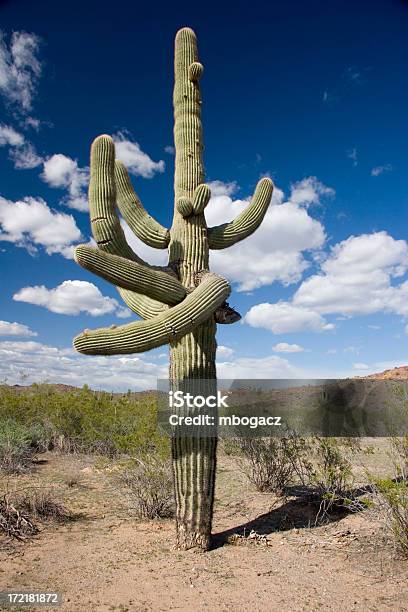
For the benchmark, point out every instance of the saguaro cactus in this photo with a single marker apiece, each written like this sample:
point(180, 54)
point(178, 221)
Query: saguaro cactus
point(181, 303)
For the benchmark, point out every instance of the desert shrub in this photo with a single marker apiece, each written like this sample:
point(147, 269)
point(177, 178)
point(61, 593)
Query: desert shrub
point(19, 512)
point(399, 456)
point(321, 465)
point(149, 486)
point(394, 495)
point(82, 420)
point(330, 475)
point(271, 464)
point(43, 504)
point(18, 444)
point(13, 522)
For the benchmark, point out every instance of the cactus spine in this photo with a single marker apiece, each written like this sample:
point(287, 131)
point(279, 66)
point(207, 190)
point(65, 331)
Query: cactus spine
point(181, 303)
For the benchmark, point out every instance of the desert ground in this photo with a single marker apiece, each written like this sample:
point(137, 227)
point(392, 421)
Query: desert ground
point(267, 553)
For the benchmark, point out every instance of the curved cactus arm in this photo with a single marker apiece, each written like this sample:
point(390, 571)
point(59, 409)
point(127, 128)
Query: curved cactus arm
point(223, 236)
point(202, 196)
point(106, 227)
point(132, 275)
point(144, 306)
point(140, 222)
point(198, 306)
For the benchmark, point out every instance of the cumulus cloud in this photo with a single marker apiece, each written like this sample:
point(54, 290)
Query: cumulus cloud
point(20, 70)
point(275, 251)
point(136, 161)
point(155, 257)
point(30, 223)
point(251, 367)
point(356, 278)
point(71, 298)
point(360, 366)
point(224, 351)
point(284, 347)
point(284, 317)
point(22, 152)
point(15, 329)
point(9, 136)
point(309, 191)
point(63, 172)
point(41, 363)
point(25, 157)
point(381, 169)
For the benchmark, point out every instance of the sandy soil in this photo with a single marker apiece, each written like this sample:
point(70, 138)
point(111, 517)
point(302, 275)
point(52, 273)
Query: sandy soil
point(105, 560)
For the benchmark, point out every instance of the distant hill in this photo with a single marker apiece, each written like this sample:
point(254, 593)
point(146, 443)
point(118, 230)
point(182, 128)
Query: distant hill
point(400, 373)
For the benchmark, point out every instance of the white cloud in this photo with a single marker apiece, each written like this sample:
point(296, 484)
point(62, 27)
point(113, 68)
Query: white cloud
point(71, 298)
point(20, 69)
point(155, 257)
point(22, 153)
point(170, 150)
point(224, 351)
point(284, 347)
point(260, 368)
point(25, 157)
point(284, 317)
point(30, 223)
point(41, 363)
point(309, 191)
point(9, 136)
point(15, 329)
point(356, 278)
point(136, 161)
point(63, 172)
point(274, 251)
point(360, 366)
point(381, 169)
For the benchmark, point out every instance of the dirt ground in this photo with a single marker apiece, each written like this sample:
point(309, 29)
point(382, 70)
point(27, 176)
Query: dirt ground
point(106, 560)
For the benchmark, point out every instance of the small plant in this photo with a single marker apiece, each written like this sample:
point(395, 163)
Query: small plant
point(399, 455)
point(13, 522)
point(395, 496)
point(20, 510)
point(18, 444)
point(42, 504)
point(271, 464)
point(150, 488)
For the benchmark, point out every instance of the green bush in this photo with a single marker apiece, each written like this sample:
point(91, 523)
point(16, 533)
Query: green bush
point(149, 485)
point(394, 494)
point(18, 443)
point(271, 464)
point(83, 420)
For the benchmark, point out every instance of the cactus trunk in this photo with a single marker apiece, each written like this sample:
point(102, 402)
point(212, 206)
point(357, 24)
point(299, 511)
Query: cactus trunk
point(194, 458)
point(193, 356)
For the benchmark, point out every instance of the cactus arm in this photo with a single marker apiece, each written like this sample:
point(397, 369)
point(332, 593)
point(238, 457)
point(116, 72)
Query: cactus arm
point(169, 326)
point(132, 275)
point(223, 236)
point(202, 196)
point(106, 227)
point(144, 306)
point(140, 222)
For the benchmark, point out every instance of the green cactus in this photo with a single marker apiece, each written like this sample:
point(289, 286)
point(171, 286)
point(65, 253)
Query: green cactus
point(181, 303)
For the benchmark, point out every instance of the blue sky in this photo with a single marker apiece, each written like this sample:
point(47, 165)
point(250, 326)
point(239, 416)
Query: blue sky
point(314, 96)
